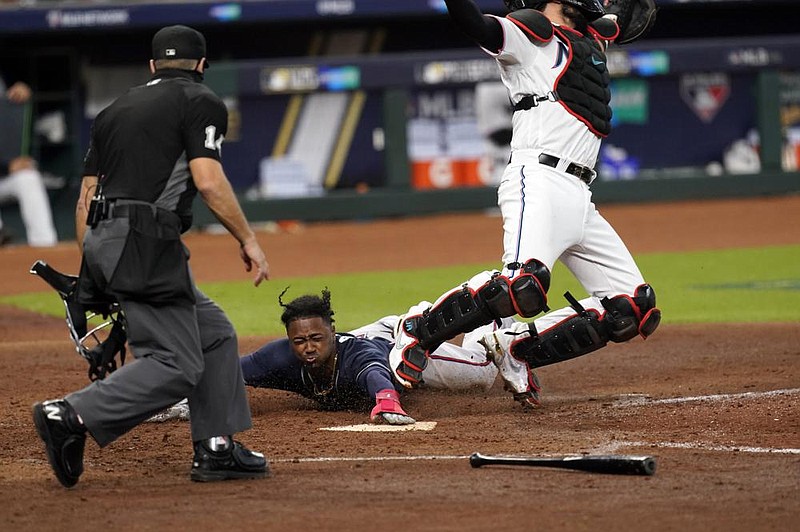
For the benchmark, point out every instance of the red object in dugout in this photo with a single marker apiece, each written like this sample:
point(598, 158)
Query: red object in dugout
point(445, 173)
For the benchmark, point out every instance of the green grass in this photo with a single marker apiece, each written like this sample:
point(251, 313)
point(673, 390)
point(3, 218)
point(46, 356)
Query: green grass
point(743, 285)
point(747, 285)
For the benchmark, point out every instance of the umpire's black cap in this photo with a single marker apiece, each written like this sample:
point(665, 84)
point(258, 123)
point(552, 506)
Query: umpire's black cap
point(179, 42)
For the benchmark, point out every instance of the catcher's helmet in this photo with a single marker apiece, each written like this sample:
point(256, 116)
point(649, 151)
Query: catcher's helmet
point(513, 5)
point(591, 9)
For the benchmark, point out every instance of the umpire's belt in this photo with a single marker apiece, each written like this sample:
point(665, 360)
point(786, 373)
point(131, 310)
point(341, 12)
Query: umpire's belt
point(584, 173)
point(122, 208)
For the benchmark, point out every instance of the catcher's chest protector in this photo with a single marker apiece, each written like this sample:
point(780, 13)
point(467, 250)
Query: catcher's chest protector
point(583, 87)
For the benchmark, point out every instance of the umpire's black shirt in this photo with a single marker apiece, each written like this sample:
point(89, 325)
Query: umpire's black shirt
point(142, 143)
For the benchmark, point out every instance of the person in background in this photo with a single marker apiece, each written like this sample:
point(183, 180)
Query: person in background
point(21, 183)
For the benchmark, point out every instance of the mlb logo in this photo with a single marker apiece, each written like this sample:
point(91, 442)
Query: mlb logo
point(705, 93)
point(171, 52)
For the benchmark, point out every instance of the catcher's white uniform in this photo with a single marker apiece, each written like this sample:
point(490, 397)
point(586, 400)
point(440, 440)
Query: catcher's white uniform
point(451, 366)
point(558, 82)
point(547, 213)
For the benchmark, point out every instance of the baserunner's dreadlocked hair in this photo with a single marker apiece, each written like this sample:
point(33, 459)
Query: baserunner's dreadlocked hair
point(307, 306)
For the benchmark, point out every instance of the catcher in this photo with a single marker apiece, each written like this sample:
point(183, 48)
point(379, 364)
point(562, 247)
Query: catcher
point(551, 57)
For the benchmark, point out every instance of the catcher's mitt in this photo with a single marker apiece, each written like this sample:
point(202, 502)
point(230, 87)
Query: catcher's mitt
point(634, 18)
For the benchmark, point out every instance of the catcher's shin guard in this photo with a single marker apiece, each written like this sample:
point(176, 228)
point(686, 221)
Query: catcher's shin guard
point(407, 358)
point(588, 331)
point(487, 297)
point(573, 337)
point(481, 301)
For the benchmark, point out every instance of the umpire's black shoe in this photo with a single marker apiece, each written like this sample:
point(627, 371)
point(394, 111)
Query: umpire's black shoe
point(235, 462)
point(64, 438)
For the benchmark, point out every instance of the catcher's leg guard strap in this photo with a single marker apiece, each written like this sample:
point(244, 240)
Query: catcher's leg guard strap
point(571, 338)
point(465, 309)
point(457, 312)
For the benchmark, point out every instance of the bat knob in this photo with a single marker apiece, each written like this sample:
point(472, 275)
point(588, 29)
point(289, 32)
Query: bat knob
point(649, 465)
point(475, 460)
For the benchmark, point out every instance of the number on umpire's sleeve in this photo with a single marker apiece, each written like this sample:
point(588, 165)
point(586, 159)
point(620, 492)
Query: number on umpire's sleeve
point(211, 142)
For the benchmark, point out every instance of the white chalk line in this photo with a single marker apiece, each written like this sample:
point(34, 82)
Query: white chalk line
point(635, 401)
point(614, 446)
point(641, 400)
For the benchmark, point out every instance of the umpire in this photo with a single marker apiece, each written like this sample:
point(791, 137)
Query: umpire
point(151, 152)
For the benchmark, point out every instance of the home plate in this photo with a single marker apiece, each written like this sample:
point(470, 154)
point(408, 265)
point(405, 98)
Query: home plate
point(368, 427)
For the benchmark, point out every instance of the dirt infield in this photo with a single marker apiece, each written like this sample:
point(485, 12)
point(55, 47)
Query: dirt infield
point(716, 405)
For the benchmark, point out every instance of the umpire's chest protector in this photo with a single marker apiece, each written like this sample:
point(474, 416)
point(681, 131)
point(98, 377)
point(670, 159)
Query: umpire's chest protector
point(583, 87)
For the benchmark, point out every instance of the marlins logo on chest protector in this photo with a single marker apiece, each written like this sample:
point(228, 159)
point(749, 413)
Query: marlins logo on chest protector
point(583, 86)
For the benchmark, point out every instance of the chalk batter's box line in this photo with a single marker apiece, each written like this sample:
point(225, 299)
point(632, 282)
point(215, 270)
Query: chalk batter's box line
point(642, 400)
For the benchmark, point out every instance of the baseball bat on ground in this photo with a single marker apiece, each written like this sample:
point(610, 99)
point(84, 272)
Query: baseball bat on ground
point(609, 464)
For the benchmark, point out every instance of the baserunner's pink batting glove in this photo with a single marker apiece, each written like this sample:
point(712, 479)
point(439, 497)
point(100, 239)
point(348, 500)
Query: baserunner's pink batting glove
point(387, 408)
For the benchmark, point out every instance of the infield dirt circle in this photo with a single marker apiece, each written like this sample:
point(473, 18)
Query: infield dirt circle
point(717, 406)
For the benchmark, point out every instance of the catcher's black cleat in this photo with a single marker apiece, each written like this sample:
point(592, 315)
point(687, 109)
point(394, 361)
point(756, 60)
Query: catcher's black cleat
point(233, 463)
point(64, 438)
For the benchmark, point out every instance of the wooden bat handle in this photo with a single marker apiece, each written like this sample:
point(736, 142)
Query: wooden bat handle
point(608, 464)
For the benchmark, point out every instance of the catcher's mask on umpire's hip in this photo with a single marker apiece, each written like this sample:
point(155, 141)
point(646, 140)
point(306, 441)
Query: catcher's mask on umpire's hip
point(94, 344)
